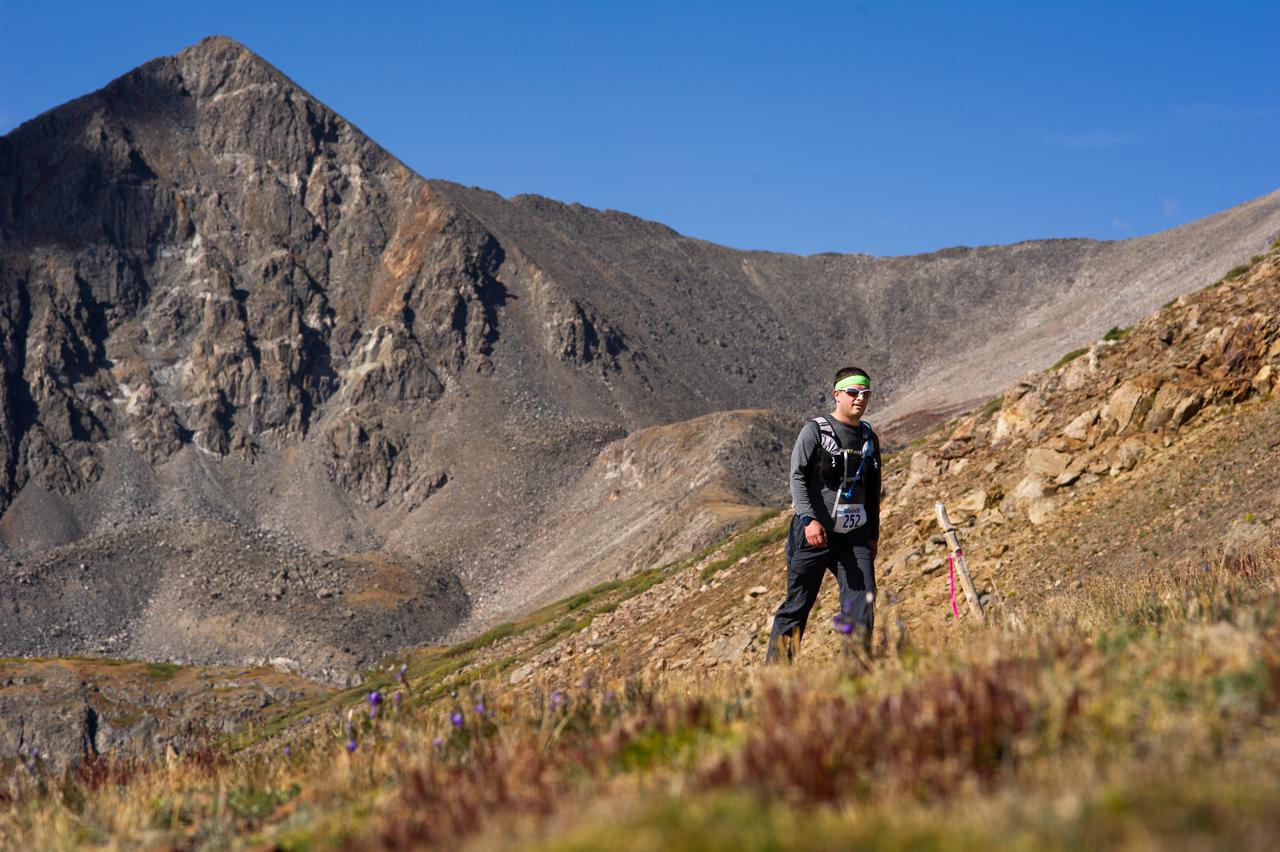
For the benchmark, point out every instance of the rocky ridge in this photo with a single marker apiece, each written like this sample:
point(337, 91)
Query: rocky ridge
point(63, 712)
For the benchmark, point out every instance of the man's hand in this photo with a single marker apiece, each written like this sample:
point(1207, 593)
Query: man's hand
point(815, 534)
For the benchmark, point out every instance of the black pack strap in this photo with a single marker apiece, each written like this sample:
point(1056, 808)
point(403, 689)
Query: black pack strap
point(867, 452)
point(827, 436)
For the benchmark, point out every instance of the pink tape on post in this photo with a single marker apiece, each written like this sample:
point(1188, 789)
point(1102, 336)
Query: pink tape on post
point(951, 570)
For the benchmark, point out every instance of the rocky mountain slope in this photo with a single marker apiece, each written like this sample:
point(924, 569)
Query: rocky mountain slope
point(1138, 453)
point(268, 393)
point(60, 712)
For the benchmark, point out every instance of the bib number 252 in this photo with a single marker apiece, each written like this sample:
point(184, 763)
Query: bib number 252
point(850, 517)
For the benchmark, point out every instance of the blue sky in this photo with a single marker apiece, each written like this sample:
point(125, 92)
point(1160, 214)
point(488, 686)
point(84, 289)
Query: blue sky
point(887, 128)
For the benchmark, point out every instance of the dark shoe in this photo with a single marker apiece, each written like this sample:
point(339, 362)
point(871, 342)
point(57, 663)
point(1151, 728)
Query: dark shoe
point(784, 648)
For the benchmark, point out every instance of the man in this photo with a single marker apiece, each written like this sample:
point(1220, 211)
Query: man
point(835, 490)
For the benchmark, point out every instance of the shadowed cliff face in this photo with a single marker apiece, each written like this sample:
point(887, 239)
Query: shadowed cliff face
point(202, 260)
point(202, 255)
point(244, 348)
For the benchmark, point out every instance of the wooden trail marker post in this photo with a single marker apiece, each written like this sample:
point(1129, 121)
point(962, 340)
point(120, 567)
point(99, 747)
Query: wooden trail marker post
point(962, 567)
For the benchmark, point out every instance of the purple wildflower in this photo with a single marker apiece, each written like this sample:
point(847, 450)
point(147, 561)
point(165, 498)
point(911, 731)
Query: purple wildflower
point(479, 708)
point(396, 697)
point(351, 746)
point(456, 719)
point(375, 698)
point(557, 698)
point(373, 712)
point(843, 624)
point(404, 667)
point(438, 742)
point(288, 752)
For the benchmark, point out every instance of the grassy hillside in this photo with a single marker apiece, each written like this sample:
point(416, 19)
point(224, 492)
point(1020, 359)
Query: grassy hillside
point(1142, 713)
point(1119, 513)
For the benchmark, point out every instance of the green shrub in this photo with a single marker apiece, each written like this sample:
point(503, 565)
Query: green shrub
point(1236, 272)
point(251, 802)
point(1068, 358)
point(749, 542)
point(1116, 333)
point(162, 671)
point(484, 640)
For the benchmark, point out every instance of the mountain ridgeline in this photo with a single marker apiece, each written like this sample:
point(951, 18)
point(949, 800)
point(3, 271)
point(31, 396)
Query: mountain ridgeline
point(268, 393)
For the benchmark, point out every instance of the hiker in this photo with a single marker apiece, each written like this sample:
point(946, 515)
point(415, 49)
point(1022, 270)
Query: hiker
point(835, 492)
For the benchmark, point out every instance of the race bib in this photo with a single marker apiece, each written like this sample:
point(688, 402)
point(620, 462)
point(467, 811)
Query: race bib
point(850, 517)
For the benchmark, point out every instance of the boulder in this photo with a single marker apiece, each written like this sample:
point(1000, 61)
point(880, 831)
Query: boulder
point(1041, 509)
point(1262, 380)
point(1017, 416)
point(1084, 369)
point(897, 562)
point(1162, 407)
point(1127, 455)
point(973, 502)
point(1046, 462)
point(1098, 463)
point(991, 517)
point(731, 648)
point(1191, 321)
point(1080, 370)
point(1127, 403)
point(1078, 429)
point(1073, 472)
point(1029, 487)
point(922, 469)
point(1186, 409)
point(964, 429)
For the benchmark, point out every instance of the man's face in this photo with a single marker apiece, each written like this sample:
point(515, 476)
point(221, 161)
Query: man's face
point(852, 403)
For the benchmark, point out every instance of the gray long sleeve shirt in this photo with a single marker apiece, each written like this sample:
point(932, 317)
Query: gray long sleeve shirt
point(810, 496)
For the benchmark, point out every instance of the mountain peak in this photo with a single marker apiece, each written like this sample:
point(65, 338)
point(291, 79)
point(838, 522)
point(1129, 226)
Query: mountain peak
point(219, 63)
point(222, 53)
point(215, 44)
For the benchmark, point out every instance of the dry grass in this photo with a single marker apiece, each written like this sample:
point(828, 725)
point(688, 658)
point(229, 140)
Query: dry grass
point(1139, 712)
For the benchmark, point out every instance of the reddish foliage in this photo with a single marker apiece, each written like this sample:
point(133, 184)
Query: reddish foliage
point(98, 771)
point(821, 747)
point(442, 802)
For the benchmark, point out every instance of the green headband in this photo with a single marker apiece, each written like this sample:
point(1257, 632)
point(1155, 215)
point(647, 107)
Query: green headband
point(853, 381)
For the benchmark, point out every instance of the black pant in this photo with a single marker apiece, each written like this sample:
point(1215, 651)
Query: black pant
point(846, 556)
